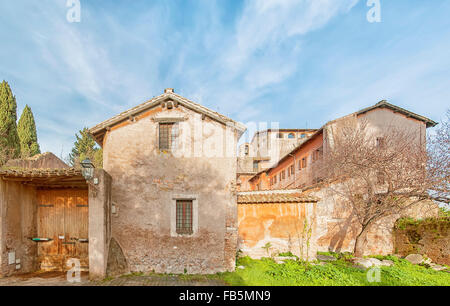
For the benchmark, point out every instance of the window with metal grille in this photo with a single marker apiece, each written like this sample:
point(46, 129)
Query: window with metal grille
point(168, 136)
point(184, 217)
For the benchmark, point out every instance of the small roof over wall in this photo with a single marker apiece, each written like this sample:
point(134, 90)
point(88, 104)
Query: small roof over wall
point(274, 197)
point(51, 178)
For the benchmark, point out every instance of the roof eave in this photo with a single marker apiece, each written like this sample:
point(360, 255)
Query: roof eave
point(382, 104)
point(101, 127)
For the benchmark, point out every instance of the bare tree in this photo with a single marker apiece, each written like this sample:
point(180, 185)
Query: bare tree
point(439, 161)
point(378, 174)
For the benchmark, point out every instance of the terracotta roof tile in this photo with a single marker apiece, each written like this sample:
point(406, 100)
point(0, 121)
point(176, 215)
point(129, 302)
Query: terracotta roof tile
point(269, 197)
point(69, 172)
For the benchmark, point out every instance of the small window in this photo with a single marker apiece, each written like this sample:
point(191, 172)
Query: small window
point(246, 149)
point(283, 174)
point(317, 154)
point(291, 135)
point(184, 217)
point(255, 166)
point(168, 136)
point(304, 163)
point(280, 135)
point(302, 135)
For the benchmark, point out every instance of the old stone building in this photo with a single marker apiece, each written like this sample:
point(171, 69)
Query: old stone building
point(295, 169)
point(168, 198)
point(336, 228)
point(173, 169)
point(266, 148)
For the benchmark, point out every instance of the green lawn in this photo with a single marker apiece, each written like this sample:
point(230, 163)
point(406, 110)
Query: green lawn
point(266, 272)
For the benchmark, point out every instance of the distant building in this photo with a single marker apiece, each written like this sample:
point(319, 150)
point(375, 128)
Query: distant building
point(295, 169)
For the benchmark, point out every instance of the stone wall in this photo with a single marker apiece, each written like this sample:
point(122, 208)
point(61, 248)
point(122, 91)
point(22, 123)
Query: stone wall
point(46, 160)
point(288, 227)
point(18, 213)
point(337, 226)
point(146, 184)
point(429, 237)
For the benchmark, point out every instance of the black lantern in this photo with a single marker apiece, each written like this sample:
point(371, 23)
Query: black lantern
point(87, 169)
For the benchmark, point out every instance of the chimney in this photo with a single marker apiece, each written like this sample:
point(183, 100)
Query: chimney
point(168, 90)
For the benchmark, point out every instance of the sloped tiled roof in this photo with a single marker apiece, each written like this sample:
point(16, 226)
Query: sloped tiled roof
point(381, 104)
point(167, 95)
point(53, 178)
point(274, 196)
point(46, 173)
point(385, 104)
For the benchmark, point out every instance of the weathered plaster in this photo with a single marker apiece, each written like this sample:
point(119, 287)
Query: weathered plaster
point(145, 182)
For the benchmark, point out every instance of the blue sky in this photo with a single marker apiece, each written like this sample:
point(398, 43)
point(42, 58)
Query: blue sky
point(299, 63)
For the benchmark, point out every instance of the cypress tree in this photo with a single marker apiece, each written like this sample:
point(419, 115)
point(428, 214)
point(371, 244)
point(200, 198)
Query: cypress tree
point(26, 129)
point(9, 138)
point(85, 147)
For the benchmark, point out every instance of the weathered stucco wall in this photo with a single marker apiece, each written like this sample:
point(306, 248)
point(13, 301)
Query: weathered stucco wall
point(99, 224)
point(428, 237)
point(146, 183)
point(18, 211)
point(337, 226)
point(383, 120)
point(288, 227)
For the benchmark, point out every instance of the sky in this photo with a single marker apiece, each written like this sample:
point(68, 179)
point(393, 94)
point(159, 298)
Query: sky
point(297, 62)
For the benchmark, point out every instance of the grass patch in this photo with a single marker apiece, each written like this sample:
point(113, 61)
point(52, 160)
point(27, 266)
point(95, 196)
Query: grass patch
point(265, 272)
point(133, 274)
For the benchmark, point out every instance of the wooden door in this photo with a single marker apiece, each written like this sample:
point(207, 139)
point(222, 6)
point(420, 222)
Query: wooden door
point(62, 217)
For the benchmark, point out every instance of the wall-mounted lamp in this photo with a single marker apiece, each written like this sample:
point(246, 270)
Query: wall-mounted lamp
point(87, 169)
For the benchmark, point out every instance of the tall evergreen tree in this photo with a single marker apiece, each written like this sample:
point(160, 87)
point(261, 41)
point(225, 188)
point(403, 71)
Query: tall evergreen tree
point(9, 138)
point(26, 129)
point(85, 147)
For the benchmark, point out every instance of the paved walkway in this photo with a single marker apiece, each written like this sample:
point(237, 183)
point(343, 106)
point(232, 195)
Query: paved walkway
point(59, 279)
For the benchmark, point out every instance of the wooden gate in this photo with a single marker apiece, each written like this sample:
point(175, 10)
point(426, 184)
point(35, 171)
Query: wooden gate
point(63, 217)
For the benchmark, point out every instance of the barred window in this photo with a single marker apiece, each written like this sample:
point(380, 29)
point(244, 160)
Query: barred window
point(168, 136)
point(184, 217)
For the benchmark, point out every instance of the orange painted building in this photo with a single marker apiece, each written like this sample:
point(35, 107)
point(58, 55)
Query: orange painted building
point(293, 170)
